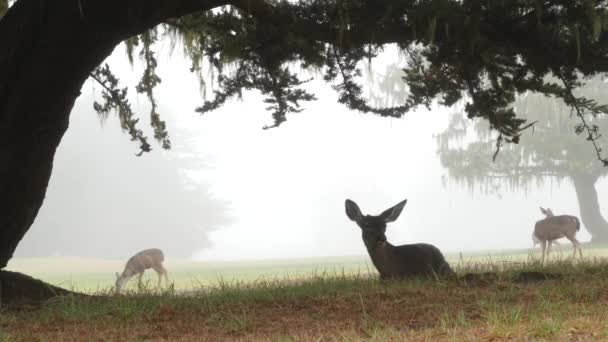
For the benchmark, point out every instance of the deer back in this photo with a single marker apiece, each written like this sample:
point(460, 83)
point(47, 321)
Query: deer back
point(556, 227)
point(409, 260)
point(143, 260)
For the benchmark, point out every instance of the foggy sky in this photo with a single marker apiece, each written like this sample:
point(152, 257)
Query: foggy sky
point(102, 201)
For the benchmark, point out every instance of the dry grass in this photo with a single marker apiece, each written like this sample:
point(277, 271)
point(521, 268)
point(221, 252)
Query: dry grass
point(338, 307)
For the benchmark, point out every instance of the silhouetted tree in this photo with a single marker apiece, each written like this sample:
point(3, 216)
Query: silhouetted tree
point(487, 51)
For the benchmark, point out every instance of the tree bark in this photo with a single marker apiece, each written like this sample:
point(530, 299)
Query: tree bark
point(17, 289)
point(591, 216)
point(49, 50)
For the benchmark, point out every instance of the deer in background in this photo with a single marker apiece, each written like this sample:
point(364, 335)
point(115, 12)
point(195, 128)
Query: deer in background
point(536, 241)
point(148, 258)
point(555, 227)
point(396, 261)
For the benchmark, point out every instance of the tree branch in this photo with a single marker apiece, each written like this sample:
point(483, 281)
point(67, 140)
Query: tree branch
point(592, 133)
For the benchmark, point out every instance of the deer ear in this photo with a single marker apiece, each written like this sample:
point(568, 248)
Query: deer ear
point(542, 210)
point(393, 213)
point(352, 210)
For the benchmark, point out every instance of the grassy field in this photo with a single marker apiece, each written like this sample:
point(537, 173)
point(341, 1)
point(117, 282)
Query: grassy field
point(94, 275)
point(329, 299)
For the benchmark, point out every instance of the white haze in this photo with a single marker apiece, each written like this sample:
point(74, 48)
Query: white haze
point(287, 185)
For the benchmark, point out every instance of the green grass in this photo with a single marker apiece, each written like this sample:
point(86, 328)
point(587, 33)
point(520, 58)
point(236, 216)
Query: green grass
point(340, 306)
point(92, 275)
point(335, 299)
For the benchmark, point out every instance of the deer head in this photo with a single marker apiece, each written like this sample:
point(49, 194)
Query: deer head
point(121, 280)
point(372, 227)
point(547, 212)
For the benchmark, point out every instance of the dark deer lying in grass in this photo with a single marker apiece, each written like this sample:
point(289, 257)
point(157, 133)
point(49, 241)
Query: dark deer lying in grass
point(396, 261)
point(148, 258)
point(555, 227)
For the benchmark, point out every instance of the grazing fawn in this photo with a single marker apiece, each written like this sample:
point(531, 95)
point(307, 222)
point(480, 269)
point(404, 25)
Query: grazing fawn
point(396, 261)
point(555, 227)
point(149, 258)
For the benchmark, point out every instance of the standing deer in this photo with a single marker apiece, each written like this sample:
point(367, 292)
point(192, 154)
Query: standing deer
point(536, 241)
point(555, 227)
point(137, 264)
point(396, 261)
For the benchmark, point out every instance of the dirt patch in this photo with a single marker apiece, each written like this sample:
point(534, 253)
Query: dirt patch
point(529, 277)
point(488, 278)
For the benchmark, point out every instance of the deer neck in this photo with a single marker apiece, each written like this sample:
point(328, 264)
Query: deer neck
point(128, 273)
point(380, 253)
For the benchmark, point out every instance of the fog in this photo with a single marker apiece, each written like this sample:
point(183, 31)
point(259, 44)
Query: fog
point(229, 190)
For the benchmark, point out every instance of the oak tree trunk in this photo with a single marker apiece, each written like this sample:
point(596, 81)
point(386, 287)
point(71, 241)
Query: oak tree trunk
point(591, 216)
point(17, 289)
